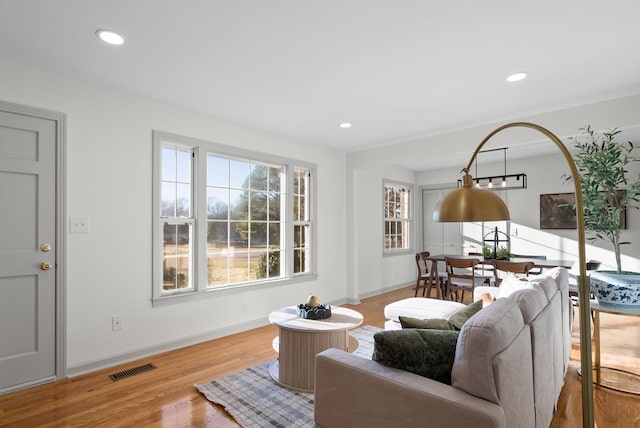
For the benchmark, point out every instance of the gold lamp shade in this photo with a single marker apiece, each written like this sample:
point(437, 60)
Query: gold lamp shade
point(469, 203)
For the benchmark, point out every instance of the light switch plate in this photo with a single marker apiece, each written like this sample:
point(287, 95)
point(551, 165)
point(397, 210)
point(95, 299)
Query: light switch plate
point(79, 224)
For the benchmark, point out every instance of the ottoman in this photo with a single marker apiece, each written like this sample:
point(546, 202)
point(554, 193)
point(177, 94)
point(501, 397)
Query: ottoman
point(418, 307)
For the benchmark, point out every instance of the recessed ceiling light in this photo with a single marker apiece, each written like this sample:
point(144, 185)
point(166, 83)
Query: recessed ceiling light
point(345, 125)
point(516, 77)
point(110, 37)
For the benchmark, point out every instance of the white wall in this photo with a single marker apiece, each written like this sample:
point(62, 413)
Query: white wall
point(377, 272)
point(109, 167)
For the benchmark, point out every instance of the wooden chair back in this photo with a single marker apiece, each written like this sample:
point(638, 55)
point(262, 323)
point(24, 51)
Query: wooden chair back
point(423, 272)
point(461, 276)
point(510, 266)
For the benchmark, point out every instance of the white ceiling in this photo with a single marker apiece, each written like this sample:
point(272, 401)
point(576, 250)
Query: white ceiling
point(396, 69)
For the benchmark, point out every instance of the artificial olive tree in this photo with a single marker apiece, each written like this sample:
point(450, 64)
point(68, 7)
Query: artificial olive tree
point(607, 187)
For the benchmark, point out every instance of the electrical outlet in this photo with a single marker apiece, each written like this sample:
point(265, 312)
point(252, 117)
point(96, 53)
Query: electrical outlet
point(244, 307)
point(116, 322)
point(79, 224)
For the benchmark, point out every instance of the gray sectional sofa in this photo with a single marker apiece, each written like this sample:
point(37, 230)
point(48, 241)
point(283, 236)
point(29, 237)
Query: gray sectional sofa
point(510, 362)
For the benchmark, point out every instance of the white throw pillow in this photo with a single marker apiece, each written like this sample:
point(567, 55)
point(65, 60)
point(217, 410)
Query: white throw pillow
point(511, 284)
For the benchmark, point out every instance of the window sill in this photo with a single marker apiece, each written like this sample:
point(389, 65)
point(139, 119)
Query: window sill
point(228, 290)
point(397, 253)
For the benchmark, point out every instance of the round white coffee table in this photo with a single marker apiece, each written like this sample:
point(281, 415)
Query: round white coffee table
point(301, 339)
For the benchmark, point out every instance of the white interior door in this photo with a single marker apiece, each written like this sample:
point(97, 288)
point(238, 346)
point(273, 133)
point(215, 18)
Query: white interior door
point(27, 250)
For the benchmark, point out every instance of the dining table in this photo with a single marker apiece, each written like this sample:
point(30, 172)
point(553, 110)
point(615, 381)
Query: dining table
point(541, 263)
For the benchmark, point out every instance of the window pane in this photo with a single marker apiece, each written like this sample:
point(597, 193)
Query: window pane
point(299, 239)
point(217, 171)
point(239, 235)
point(239, 174)
point(302, 185)
point(276, 176)
point(177, 251)
point(259, 176)
point(168, 200)
point(302, 206)
point(258, 235)
point(258, 206)
point(239, 269)
point(296, 208)
point(183, 207)
point(239, 205)
point(217, 203)
point(217, 236)
point(217, 268)
point(168, 163)
point(274, 206)
point(183, 173)
point(265, 264)
point(299, 264)
point(274, 235)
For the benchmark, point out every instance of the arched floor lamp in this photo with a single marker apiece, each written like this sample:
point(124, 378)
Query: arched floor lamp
point(469, 203)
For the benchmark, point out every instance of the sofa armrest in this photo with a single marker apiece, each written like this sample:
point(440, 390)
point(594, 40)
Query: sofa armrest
point(352, 391)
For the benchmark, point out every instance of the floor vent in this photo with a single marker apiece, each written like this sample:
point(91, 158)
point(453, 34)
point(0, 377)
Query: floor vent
point(131, 372)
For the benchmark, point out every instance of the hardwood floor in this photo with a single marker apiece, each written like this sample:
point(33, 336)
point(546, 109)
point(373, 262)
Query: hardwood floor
point(166, 397)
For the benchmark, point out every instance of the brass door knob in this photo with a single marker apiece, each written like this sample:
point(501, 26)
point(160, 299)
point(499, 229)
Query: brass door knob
point(45, 248)
point(45, 266)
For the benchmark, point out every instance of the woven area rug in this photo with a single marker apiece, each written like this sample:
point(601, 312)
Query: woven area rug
point(256, 400)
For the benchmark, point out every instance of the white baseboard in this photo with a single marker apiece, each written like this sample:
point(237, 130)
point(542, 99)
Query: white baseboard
point(117, 359)
point(384, 290)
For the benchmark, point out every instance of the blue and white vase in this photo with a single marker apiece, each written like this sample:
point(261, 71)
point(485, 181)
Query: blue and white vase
point(619, 289)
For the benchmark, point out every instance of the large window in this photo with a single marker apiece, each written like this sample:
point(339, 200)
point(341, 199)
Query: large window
point(226, 217)
point(397, 218)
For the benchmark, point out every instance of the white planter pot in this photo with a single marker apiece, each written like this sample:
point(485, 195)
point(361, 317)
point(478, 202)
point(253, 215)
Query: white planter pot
point(619, 289)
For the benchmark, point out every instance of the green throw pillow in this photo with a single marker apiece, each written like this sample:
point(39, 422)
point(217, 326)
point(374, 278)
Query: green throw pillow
point(459, 318)
point(432, 324)
point(427, 353)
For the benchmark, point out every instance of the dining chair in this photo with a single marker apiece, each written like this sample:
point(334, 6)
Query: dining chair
point(484, 270)
point(461, 276)
point(423, 282)
point(512, 267)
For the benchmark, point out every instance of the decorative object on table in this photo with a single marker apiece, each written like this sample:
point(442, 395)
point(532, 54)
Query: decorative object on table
point(313, 310)
point(620, 289)
point(495, 237)
point(608, 190)
point(469, 203)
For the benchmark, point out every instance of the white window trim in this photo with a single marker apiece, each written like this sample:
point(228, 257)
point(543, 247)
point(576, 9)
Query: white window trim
point(412, 228)
point(200, 149)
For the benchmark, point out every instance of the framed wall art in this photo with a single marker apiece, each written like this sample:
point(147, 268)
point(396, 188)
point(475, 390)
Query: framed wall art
point(557, 212)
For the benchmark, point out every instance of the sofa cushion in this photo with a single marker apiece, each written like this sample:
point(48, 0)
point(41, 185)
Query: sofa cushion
point(431, 324)
point(428, 353)
point(421, 307)
point(459, 318)
point(511, 284)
